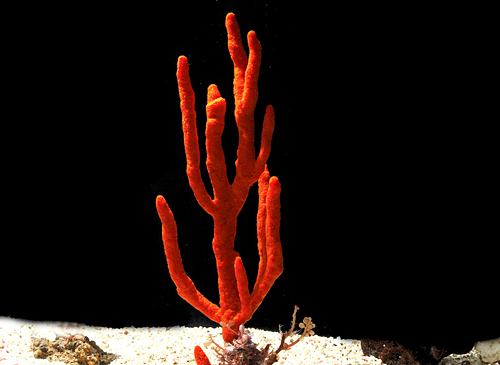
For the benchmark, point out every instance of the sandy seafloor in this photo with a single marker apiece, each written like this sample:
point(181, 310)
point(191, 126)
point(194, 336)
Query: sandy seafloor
point(172, 345)
point(175, 345)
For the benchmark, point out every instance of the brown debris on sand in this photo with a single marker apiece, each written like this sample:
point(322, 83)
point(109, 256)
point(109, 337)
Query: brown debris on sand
point(393, 353)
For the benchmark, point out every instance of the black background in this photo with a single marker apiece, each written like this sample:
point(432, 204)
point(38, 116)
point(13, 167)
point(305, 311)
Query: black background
point(383, 145)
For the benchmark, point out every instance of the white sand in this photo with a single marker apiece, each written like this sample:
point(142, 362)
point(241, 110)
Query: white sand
point(172, 345)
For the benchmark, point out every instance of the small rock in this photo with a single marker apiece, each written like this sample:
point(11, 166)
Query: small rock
point(42, 348)
point(489, 351)
point(470, 358)
point(76, 349)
